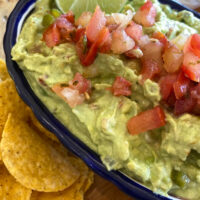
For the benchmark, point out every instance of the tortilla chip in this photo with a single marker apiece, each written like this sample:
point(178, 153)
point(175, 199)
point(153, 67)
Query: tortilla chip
point(76, 191)
point(87, 176)
point(3, 71)
point(10, 102)
point(10, 189)
point(34, 161)
point(40, 128)
point(68, 194)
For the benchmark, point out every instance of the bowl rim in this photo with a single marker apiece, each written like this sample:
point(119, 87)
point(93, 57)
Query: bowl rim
point(128, 185)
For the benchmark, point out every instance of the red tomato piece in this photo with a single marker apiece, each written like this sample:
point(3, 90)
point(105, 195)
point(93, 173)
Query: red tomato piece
point(62, 22)
point(171, 100)
point(150, 69)
point(52, 36)
point(181, 86)
point(69, 16)
point(134, 31)
point(166, 85)
point(80, 83)
point(193, 45)
point(191, 59)
point(79, 33)
point(191, 66)
point(185, 105)
point(152, 58)
point(195, 92)
point(146, 15)
point(92, 53)
point(173, 58)
point(161, 37)
point(121, 87)
point(95, 25)
point(146, 121)
point(106, 47)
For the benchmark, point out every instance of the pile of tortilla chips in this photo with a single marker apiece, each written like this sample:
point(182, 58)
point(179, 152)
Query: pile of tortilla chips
point(33, 164)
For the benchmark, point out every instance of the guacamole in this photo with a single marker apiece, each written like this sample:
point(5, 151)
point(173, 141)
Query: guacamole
point(167, 160)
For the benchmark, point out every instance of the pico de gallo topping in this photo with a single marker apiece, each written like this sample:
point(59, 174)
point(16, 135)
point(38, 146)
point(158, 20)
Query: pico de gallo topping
point(175, 69)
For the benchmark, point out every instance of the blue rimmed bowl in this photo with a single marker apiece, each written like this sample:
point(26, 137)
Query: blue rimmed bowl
point(15, 22)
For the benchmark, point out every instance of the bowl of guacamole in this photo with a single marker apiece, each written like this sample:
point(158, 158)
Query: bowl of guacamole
point(119, 89)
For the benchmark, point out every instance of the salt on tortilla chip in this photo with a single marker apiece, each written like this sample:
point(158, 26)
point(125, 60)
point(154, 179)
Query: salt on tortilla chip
point(76, 191)
point(34, 161)
point(40, 128)
point(10, 189)
point(10, 102)
point(3, 71)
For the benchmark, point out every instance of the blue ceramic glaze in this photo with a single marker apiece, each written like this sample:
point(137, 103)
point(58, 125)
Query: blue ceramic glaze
point(131, 187)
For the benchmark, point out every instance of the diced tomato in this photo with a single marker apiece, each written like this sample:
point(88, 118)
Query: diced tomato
point(193, 45)
point(191, 61)
point(166, 85)
point(146, 15)
point(106, 47)
point(134, 31)
point(62, 22)
point(195, 95)
point(96, 24)
point(171, 100)
point(181, 86)
point(121, 87)
point(92, 53)
point(161, 37)
point(121, 42)
point(80, 83)
point(150, 69)
point(102, 37)
point(79, 33)
point(87, 58)
point(52, 36)
point(195, 91)
point(146, 121)
point(69, 16)
point(184, 105)
point(152, 59)
point(191, 66)
point(66, 27)
point(173, 58)
point(71, 96)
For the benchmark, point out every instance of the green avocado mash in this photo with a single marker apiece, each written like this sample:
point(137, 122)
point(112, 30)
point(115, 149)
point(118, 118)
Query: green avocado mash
point(167, 160)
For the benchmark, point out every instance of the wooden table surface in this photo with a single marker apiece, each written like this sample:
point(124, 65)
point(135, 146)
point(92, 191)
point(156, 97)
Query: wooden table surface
point(101, 189)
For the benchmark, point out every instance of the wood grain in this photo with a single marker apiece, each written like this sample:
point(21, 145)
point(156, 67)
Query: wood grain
point(104, 190)
point(6, 7)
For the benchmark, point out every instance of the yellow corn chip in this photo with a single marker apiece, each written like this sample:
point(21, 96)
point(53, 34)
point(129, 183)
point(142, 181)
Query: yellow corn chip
point(87, 176)
point(34, 161)
point(68, 194)
point(10, 102)
point(76, 191)
point(40, 128)
point(3, 71)
point(10, 189)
